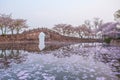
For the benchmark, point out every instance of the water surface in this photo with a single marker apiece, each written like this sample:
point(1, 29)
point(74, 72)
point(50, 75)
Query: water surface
point(83, 61)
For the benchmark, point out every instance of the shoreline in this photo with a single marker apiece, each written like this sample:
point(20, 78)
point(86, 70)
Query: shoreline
point(47, 42)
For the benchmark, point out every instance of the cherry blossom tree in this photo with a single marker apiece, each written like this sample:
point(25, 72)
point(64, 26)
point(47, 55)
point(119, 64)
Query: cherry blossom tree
point(12, 26)
point(5, 21)
point(8, 24)
point(117, 16)
point(88, 23)
point(19, 25)
point(64, 29)
point(82, 31)
point(96, 23)
point(110, 29)
point(59, 28)
point(79, 31)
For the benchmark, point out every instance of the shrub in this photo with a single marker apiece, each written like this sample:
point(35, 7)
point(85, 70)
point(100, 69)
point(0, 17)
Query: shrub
point(118, 38)
point(107, 40)
point(3, 35)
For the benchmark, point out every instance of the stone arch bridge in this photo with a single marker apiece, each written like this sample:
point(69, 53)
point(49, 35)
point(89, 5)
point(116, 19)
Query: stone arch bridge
point(32, 35)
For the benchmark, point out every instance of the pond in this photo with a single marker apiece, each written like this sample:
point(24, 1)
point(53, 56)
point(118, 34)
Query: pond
point(82, 61)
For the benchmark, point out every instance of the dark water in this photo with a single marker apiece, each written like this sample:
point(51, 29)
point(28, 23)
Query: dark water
point(83, 61)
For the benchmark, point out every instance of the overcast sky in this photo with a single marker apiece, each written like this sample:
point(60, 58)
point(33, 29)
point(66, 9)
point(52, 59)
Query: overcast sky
point(47, 13)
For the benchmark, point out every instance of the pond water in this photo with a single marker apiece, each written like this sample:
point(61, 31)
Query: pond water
point(83, 61)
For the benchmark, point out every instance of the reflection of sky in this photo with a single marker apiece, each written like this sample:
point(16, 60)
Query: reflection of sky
point(71, 62)
point(49, 12)
point(48, 66)
point(41, 46)
point(41, 41)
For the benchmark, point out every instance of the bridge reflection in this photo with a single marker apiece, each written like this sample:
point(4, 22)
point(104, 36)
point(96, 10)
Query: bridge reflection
point(31, 47)
point(12, 54)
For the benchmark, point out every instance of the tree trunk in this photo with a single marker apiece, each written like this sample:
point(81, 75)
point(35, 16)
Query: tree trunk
point(2, 31)
point(18, 31)
point(12, 32)
point(80, 35)
point(5, 30)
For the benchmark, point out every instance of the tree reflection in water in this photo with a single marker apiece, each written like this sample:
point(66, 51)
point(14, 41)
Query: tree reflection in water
point(9, 57)
point(14, 53)
point(30, 47)
point(110, 55)
point(78, 56)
